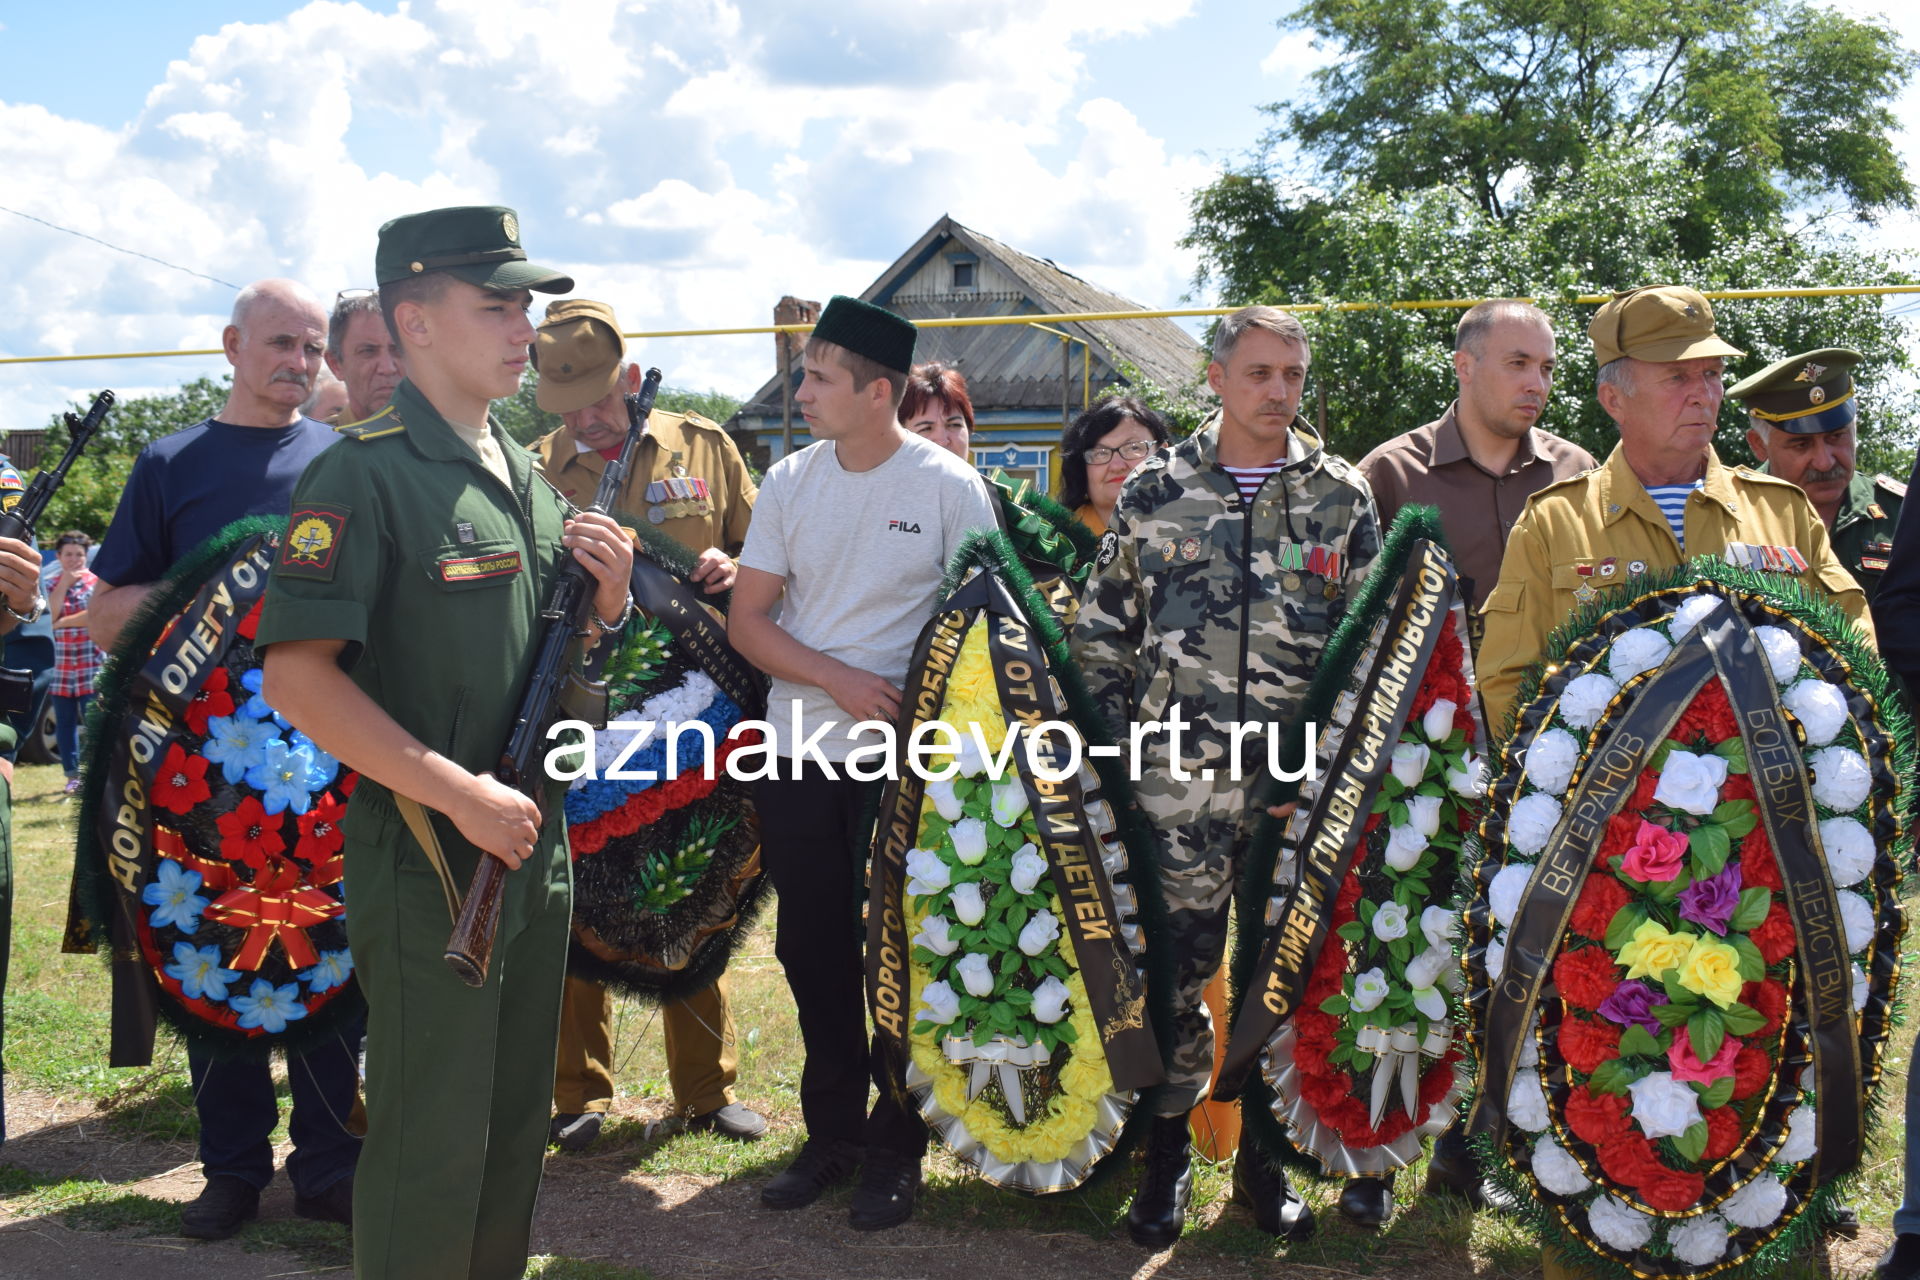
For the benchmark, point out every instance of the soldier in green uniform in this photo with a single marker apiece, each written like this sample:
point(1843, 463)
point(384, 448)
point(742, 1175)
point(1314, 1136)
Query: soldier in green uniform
point(399, 628)
point(1803, 414)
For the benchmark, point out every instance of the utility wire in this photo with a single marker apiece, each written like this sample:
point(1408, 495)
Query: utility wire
point(117, 248)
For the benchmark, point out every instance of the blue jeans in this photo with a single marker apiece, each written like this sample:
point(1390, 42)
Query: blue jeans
point(1906, 1219)
point(238, 1111)
point(68, 715)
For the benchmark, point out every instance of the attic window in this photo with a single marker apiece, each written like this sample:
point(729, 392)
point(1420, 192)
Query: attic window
point(966, 271)
point(963, 275)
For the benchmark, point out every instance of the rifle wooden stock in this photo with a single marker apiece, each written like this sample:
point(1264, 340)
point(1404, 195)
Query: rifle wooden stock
point(470, 948)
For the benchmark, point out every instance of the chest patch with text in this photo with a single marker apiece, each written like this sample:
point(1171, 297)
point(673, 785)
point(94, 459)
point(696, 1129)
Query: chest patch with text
point(498, 565)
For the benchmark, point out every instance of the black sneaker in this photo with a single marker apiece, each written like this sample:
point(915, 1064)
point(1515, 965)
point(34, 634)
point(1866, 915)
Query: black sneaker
point(1901, 1261)
point(888, 1183)
point(819, 1165)
point(222, 1205)
point(335, 1204)
point(735, 1121)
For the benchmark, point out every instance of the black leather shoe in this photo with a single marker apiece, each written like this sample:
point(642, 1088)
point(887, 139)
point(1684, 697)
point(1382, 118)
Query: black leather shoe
point(1453, 1171)
point(1278, 1209)
point(335, 1204)
point(1842, 1222)
point(735, 1121)
point(1367, 1202)
point(889, 1181)
point(819, 1165)
point(576, 1131)
point(1159, 1210)
point(222, 1205)
point(1901, 1261)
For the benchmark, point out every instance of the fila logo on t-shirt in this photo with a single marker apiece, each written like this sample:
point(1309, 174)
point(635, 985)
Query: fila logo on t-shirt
point(902, 526)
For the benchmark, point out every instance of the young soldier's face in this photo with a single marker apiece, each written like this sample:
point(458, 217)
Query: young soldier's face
point(1260, 386)
point(480, 337)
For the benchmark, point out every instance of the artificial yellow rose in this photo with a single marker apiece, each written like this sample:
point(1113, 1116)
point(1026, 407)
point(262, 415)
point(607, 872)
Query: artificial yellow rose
point(1652, 950)
point(972, 696)
point(1712, 969)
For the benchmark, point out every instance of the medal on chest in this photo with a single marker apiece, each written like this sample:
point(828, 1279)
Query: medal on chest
point(678, 495)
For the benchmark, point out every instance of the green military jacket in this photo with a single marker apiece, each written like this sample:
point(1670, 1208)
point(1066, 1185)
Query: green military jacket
point(1863, 531)
point(401, 543)
point(1199, 599)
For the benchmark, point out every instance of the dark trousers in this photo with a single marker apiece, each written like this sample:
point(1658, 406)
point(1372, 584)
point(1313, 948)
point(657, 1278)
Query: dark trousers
point(810, 847)
point(238, 1111)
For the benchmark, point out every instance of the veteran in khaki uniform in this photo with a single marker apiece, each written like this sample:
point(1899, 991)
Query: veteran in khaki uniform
point(690, 482)
point(1661, 497)
point(400, 625)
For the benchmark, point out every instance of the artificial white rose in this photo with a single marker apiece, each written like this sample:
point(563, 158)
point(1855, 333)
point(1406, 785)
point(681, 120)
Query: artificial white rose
point(927, 873)
point(1856, 913)
point(1028, 867)
point(968, 904)
point(1410, 762)
point(1390, 922)
point(1503, 895)
point(1689, 614)
point(1470, 779)
point(1423, 814)
point(977, 972)
point(1820, 708)
point(1531, 822)
point(1662, 1106)
point(1440, 925)
point(1641, 649)
point(1849, 849)
point(1369, 989)
point(1430, 1004)
point(1425, 969)
point(1700, 1241)
point(1050, 1000)
point(1526, 1104)
point(933, 936)
point(1584, 698)
point(938, 1004)
point(1042, 928)
point(1437, 724)
point(969, 836)
point(1617, 1225)
point(1691, 782)
point(1555, 1169)
point(972, 760)
point(1841, 779)
point(945, 802)
point(1782, 650)
point(1758, 1204)
point(1800, 1144)
point(1550, 760)
point(1496, 960)
point(1404, 848)
point(1009, 801)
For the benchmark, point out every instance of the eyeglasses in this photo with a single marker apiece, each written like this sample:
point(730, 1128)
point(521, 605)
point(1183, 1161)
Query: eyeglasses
point(1133, 451)
point(353, 295)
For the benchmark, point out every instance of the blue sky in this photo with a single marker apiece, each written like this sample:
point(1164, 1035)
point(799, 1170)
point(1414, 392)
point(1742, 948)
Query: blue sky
point(688, 160)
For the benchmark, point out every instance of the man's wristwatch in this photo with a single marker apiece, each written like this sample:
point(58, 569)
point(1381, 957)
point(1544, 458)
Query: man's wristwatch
point(39, 607)
point(610, 628)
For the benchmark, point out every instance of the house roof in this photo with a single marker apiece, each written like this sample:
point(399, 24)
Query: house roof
point(1015, 366)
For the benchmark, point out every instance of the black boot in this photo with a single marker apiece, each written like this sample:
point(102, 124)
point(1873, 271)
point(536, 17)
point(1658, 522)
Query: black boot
point(1159, 1209)
point(1453, 1170)
point(1901, 1261)
point(1367, 1202)
point(1278, 1209)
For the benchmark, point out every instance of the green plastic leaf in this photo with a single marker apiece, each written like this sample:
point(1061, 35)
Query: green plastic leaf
point(1611, 1077)
point(1637, 1041)
point(1737, 816)
point(1692, 1144)
point(1334, 1005)
point(1672, 1015)
point(1752, 911)
point(1753, 965)
point(1660, 754)
point(1705, 1031)
point(1351, 931)
point(1717, 1094)
point(1625, 921)
point(1734, 752)
point(1709, 846)
point(1742, 1020)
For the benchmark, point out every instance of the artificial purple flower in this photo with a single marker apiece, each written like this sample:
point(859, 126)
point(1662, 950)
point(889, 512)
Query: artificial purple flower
point(1631, 1004)
point(1710, 903)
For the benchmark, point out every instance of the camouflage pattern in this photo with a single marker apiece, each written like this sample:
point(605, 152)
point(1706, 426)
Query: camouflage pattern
point(1200, 601)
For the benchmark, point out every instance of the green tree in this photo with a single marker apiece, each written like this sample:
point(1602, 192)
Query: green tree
point(92, 489)
point(525, 421)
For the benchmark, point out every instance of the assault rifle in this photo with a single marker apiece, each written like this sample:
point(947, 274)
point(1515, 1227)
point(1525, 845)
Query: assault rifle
point(18, 521)
point(470, 949)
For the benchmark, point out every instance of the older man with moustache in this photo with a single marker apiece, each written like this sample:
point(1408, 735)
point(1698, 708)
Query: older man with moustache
point(362, 354)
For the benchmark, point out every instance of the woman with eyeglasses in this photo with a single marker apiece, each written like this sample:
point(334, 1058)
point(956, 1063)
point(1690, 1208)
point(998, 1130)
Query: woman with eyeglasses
point(1100, 450)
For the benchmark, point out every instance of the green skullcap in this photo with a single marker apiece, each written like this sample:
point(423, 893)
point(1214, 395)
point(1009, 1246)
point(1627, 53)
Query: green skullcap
point(867, 330)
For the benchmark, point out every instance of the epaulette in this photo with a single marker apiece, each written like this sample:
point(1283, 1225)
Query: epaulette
point(384, 423)
point(1898, 488)
point(1567, 482)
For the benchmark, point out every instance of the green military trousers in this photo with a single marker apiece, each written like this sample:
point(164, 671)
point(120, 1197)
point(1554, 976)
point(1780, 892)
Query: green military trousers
point(457, 1078)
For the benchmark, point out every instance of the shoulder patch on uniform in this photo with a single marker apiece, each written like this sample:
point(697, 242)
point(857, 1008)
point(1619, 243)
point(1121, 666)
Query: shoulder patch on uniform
point(384, 423)
point(1898, 488)
point(1109, 548)
point(312, 545)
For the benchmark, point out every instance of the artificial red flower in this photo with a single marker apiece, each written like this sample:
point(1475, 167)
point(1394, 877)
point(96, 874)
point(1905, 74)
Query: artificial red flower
point(1600, 900)
point(1325, 1092)
point(214, 699)
point(1642, 798)
point(1373, 822)
point(1321, 1030)
point(320, 833)
point(348, 781)
point(1723, 1132)
point(1752, 1068)
point(181, 781)
point(1775, 937)
point(1757, 866)
point(1586, 976)
point(1597, 1118)
point(1738, 786)
point(1628, 1159)
point(1671, 1190)
point(1329, 975)
point(1769, 999)
point(1586, 1044)
point(1345, 900)
point(1311, 1059)
point(250, 835)
point(1708, 716)
point(251, 623)
point(1437, 1081)
point(1621, 830)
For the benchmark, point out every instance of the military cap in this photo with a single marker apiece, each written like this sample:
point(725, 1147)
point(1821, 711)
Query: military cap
point(1660, 323)
point(577, 352)
point(867, 330)
point(476, 243)
point(1805, 394)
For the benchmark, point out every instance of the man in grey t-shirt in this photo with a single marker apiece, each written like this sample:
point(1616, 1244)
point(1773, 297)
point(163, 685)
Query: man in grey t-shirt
point(848, 541)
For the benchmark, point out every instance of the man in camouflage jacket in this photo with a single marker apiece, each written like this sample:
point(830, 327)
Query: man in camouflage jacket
point(1228, 564)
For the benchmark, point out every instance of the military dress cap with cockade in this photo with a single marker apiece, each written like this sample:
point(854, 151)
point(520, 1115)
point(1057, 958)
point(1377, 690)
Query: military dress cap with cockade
point(1658, 323)
point(479, 244)
point(578, 352)
point(1807, 394)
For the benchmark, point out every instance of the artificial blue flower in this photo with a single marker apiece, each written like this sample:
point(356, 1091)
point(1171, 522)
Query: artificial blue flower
point(284, 777)
point(199, 973)
point(257, 706)
point(332, 971)
point(237, 743)
point(326, 768)
point(269, 1007)
point(174, 897)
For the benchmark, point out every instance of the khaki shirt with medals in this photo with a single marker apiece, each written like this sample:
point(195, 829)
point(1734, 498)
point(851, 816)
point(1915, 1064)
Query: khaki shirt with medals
point(688, 480)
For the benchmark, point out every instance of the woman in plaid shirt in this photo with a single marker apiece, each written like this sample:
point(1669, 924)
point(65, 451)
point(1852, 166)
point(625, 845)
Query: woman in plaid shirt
point(75, 659)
